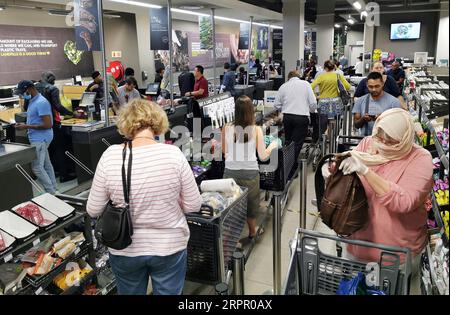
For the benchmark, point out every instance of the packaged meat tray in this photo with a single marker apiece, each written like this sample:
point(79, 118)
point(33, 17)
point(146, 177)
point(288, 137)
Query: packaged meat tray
point(17, 227)
point(56, 206)
point(36, 215)
point(6, 241)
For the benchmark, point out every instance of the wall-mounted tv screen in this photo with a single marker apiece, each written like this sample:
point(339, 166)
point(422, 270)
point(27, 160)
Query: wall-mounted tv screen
point(405, 31)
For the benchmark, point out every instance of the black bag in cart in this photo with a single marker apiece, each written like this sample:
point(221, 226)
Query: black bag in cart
point(114, 227)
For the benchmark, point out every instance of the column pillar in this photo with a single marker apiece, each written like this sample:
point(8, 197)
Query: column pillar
point(369, 45)
point(442, 39)
point(293, 33)
point(325, 30)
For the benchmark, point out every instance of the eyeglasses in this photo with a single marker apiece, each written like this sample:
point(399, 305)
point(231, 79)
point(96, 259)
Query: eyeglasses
point(387, 140)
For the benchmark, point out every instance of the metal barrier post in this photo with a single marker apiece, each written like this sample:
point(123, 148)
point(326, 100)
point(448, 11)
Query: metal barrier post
point(345, 120)
point(324, 145)
point(221, 289)
point(277, 243)
point(221, 258)
point(303, 184)
point(238, 273)
point(331, 131)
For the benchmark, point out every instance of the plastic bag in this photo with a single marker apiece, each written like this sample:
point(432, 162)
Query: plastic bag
point(356, 286)
point(215, 200)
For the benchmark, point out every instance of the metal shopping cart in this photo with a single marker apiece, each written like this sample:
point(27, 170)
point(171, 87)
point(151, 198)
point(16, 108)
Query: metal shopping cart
point(312, 272)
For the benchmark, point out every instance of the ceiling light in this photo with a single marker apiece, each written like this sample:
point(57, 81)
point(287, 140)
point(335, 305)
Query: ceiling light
point(139, 4)
point(2, 8)
point(188, 12)
point(337, 25)
point(21, 6)
point(191, 7)
point(357, 5)
point(276, 27)
point(350, 21)
point(58, 12)
point(364, 13)
point(260, 24)
point(230, 20)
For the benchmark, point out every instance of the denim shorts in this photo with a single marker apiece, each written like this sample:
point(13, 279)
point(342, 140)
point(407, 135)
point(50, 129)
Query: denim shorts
point(331, 107)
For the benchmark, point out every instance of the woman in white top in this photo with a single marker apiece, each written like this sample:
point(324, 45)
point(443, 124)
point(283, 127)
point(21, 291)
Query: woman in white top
point(162, 190)
point(240, 143)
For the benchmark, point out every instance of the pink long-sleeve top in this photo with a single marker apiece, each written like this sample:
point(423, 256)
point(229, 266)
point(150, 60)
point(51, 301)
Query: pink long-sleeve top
point(397, 218)
point(163, 189)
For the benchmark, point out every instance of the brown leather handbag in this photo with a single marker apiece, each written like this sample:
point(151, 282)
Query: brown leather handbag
point(342, 200)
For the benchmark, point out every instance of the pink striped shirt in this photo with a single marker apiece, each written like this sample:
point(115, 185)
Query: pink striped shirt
point(163, 188)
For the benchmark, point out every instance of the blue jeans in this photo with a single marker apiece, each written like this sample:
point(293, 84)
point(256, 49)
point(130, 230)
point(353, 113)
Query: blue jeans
point(167, 273)
point(42, 167)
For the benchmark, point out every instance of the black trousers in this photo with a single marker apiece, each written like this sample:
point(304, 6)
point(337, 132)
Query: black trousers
point(61, 143)
point(296, 130)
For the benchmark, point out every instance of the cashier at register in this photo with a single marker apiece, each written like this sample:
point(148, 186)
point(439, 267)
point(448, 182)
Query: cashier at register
point(96, 85)
point(201, 84)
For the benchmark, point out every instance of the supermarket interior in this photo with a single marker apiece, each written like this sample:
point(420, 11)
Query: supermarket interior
point(224, 147)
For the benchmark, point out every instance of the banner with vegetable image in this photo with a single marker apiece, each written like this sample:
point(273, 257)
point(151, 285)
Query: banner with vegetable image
point(87, 30)
point(206, 32)
point(159, 29)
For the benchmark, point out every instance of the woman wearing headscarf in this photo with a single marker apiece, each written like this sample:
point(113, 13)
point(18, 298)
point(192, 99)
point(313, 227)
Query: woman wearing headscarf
point(397, 176)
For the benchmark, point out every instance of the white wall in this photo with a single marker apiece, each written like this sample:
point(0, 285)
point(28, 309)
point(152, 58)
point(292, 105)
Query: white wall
point(442, 41)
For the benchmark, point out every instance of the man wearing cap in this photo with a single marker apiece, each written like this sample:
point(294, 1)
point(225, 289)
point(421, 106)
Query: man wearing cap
point(40, 133)
point(97, 85)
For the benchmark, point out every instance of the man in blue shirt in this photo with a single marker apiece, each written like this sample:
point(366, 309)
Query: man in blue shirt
point(40, 133)
point(398, 74)
point(229, 79)
point(370, 106)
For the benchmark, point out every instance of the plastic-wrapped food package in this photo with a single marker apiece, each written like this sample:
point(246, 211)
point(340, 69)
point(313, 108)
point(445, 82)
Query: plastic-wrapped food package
point(2, 243)
point(32, 213)
point(215, 200)
point(269, 139)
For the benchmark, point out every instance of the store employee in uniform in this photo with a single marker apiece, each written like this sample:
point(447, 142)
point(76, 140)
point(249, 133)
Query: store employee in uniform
point(201, 84)
point(96, 85)
point(40, 133)
point(370, 106)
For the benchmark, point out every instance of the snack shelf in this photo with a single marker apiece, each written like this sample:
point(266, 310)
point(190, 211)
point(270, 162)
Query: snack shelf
point(439, 220)
point(15, 250)
point(45, 280)
point(76, 288)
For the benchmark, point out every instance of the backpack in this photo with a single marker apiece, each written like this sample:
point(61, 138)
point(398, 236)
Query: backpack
point(341, 201)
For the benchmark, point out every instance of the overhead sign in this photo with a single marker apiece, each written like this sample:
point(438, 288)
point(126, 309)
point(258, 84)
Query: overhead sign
point(244, 36)
point(159, 29)
point(277, 43)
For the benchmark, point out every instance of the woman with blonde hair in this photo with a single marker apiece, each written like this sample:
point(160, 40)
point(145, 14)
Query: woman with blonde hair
point(397, 176)
point(162, 190)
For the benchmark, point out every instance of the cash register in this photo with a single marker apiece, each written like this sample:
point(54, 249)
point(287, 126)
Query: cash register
point(87, 104)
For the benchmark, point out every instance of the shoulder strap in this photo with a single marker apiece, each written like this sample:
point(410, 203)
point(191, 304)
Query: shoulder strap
point(319, 181)
point(126, 179)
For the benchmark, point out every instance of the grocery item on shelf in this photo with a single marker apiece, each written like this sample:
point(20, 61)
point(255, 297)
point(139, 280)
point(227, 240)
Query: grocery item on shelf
point(11, 276)
point(69, 278)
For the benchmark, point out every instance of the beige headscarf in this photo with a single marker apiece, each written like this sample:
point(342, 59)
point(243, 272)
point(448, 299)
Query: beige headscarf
point(397, 124)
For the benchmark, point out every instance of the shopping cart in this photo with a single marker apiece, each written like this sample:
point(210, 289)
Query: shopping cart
point(213, 240)
point(312, 272)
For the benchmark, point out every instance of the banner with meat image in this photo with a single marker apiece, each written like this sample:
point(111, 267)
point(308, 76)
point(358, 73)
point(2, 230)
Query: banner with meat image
point(87, 25)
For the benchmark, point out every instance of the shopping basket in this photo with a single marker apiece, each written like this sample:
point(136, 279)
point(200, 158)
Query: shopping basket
point(315, 273)
point(213, 241)
point(274, 176)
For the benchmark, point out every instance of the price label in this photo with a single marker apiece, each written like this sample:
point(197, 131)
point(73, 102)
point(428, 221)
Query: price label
point(39, 291)
point(36, 242)
point(9, 257)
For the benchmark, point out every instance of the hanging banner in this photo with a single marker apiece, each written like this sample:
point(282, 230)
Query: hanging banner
point(277, 40)
point(206, 32)
point(87, 32)
point(244, 35)
point(263, 38)
point(159, 29)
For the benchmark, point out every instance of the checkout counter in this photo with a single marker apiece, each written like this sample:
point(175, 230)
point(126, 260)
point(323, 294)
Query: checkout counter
point(12, 183)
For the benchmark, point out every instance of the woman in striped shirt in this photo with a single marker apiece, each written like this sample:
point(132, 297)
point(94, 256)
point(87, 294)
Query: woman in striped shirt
point(163, 189)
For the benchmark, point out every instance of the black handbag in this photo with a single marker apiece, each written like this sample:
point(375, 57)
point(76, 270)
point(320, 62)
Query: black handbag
point(343, 94)
point(114, 227)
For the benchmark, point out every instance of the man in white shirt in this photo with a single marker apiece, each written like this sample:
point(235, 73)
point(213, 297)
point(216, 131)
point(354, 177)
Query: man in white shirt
point(296, 100)
point(359, 67)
